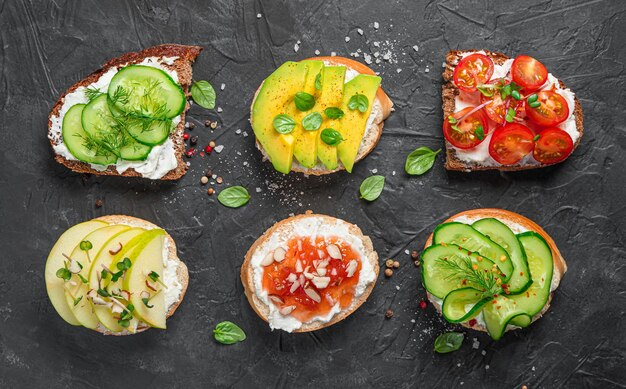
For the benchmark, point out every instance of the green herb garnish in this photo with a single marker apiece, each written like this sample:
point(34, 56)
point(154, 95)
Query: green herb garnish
point(92, 93)
point(318, 81)
point(312, 121)
point(462, 269)
point(372, 187)
point(333, 113)
point(83, 279)
point(304, 101)
point(420, 160)
point(104, 274)
point(203, 94)
point(448, 342)
point(479, 132)
point(64, 274)
point(124, 264)
point(331, 137)
point(358, 101)
point(146, 302)
point(510, 115)
point(284, 123)
point(77, 300)
point(536, 138)
point(103, 292)
point(234, 197)
point(227, 332)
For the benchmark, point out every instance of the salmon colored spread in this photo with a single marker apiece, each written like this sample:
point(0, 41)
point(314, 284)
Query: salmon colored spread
point(279, 278)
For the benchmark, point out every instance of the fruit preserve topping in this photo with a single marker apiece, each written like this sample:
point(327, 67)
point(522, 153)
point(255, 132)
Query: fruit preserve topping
point(308, 278)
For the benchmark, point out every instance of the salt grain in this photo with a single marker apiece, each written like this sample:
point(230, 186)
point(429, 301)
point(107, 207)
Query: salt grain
point(296, 47)
point(219, 109)
point(238, 131)
point(258, 16)
point(426, 70)
point(347, 39)
point(376, 25)
point(374, 171)
point(407, 252)
point(258, 190)
point(222, 86)
point(245, 134)
point(368, 58)
point(317, 52)
point(483, 352)
point(376, 44)
point(475, 344)
point(360, 31)
point(219, 148)
point(415, 48)
point(398, 70)
point(333, 54)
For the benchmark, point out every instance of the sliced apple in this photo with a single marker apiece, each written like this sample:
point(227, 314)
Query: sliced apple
point(149, 261)
point(76, 295)
point(64, 245)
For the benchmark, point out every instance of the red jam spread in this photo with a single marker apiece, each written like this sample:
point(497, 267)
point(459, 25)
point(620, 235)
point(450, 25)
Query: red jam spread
point(312, 287)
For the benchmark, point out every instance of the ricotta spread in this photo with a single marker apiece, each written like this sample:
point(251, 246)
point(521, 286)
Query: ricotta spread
point(312, 227)
point(161, 159)
point(480, 153)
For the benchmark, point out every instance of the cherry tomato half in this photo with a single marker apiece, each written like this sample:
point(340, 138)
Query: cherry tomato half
point(466, 133)
point(553, 145)
point(472, 71)
point(528, 73)
point(552, 111)
point(511, 143)
point(497, 108)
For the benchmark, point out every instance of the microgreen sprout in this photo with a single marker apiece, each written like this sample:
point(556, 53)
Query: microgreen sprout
point(86, 245)
point(77, 300)
point(64, 274)
point(154, 276)
point(510, 115)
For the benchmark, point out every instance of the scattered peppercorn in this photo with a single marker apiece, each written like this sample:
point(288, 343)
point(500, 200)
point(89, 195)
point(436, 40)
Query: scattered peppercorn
point(193, 141)
point(417, 263)
point(208, 149)
point(204, 180)
point(389, 314)
point(214, 125)
point(423, 304)
point(190, 152)
point(219, 180)
point(209, 173)
point(396, 264)
point(210, 191)
point(389, 263)
point(212, 143)
point(524, 387)
point(192, 126)
point(185, 136)
point(472, 322)
point(207, 123)
point(388, 272)
point(414, 254)
point(99, 203)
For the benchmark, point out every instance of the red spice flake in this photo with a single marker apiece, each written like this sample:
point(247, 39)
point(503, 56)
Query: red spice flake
point(472, 322)
point(423, 304)
point(190, 153)
point(202, 154)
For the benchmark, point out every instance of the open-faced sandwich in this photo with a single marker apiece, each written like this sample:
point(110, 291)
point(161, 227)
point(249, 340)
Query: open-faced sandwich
point(308, 272)
point(117, 275)
point(506, 113)
point(320, 115)
point(128, 117)
point(491, 270)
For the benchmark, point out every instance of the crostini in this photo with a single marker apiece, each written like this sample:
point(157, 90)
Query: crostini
point(309, 272)
point(319, 115)
point(128, 117)
point(506, 113)
point(117, 275)
point(491, 270)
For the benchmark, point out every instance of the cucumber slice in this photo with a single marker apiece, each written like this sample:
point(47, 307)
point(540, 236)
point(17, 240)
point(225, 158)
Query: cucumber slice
point(134, 151)
point(455, 304)
point(467, 237)
point(438, 278)
point(505, 308)
point(501, 234)
point(521, 321)
point(78, 141)
point(145, 91)
point(144, 130)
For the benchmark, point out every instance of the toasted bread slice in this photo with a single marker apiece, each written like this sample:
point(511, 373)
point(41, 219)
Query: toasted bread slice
point(513, 220)
point(286, 228)
point(182, 272)
point(371, 137)
point(450, 91)
point(182, 65)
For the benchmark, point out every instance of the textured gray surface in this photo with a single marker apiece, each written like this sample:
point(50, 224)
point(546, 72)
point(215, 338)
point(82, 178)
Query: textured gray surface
point(47, 46)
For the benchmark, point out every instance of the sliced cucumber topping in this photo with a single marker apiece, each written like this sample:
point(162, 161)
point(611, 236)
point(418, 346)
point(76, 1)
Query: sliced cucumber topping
point(463, 304)
point(503, 236)
point(505, 308)
point(144, 91)
point(144, 130)
point(449, 267)
point(472, 240)
point(78, 141)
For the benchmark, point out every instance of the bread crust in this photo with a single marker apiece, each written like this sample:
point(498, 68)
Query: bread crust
point(247, 272)
point(450, 91)
point(182, 272)
point(560, 266)
point(370, 143)
point(182, 65)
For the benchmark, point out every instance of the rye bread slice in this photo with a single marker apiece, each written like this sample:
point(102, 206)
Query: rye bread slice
point(182, 65)
point(450, 91)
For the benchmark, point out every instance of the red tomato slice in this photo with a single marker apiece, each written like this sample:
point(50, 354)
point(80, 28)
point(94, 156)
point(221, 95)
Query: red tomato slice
point(466, 134)
point(511, 143)
point(553, 145)
point(472, 71)
point(528, 73)
point(552, 111)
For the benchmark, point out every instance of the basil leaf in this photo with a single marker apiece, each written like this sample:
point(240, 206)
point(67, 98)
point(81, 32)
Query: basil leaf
point(448, 342)
point(358, 101)
point(333, 113)
point(372, 187)
point(331, 137)
point(420, 160)
point(318, 81)
point(304, 101)
point(284, 123)
point(233, 197)
point(203, 94)
point(312, 121)
point(227, 332)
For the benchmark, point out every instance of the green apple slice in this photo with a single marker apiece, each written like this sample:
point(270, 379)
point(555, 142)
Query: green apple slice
point(149, 261)
point(76, 292)
point(104, 312)
point(64, 245)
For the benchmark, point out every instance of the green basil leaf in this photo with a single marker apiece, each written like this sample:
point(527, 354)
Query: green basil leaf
point(284, 123)
point(203, 94)
point(318, 81)
point(233, 197)
point(420, 160)
point(304, 101)
point(312, 121)
point(331, 137)
point(333, 113)
point(448, 342)
point(372, 187)
point(358, 101)
point(227, 332)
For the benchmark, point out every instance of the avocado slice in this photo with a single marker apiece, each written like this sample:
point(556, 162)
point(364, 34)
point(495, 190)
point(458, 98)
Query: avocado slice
point(276, 97)
point(353, 125)
point(305, 148)
point(331, 96)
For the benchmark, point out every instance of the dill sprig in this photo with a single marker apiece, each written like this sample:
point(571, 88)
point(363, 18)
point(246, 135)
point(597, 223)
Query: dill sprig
point(462, 269)
point(91, 93)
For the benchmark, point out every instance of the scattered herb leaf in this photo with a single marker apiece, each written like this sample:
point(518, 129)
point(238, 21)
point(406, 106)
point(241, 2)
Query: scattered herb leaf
point(535, 104)
point(372, 187)
point(358, 101)
point(85, 245)
point(227, 332)
point(203, 94)
point(233, 197)
point(510, 114)
point(124, 264)
point(516, 95)
point(312, 121)
point(64, 274)
point(304, 101)
point(420, 160)
point(333, 113)
point(532, 98)
point(331, 137)
point(318, 81)
point(284, 123)
point(448, 342)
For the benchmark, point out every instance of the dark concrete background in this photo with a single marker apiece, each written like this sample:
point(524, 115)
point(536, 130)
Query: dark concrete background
point(49, 45)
